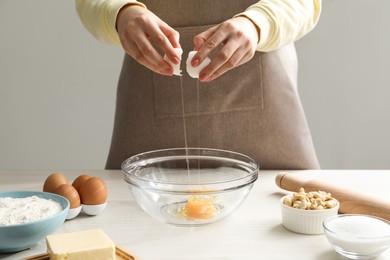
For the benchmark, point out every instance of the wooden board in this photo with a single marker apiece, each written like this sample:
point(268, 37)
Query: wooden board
point(121, 254)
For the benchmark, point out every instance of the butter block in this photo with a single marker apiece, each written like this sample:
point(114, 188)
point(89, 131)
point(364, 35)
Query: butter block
point(83, 245)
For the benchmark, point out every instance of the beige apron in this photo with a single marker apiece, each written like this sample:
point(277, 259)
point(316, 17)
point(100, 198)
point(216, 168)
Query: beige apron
point(253, 109)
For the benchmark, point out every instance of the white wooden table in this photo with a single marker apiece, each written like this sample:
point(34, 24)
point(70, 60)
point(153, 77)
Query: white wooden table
point(254, 231)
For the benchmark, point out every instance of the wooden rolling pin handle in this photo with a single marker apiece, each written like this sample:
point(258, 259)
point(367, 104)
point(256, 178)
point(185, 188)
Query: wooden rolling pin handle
point(351, 202)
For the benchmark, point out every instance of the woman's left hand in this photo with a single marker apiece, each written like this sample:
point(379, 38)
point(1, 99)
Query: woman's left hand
point(239, 37)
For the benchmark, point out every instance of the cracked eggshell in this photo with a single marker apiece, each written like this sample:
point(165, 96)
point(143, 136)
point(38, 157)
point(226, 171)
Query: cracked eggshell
point(194, 71)
point(176, 67)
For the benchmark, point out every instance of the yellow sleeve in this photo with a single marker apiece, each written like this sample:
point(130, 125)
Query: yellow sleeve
point(99, 17)
point(283, 21)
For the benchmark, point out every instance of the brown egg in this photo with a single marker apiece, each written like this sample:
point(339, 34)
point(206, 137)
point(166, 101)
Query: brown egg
point(79, 181)
point(68, 191)
point(54, 181)
point(93, 191)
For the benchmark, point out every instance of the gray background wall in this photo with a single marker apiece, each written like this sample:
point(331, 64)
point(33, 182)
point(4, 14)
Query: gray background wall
point(58, 84)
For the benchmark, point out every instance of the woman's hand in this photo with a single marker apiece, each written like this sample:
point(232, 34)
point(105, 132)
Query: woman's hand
point(239, 37)
point(139, 29)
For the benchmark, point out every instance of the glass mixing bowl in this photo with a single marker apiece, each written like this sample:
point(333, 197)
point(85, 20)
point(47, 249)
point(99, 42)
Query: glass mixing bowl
point(189, 187)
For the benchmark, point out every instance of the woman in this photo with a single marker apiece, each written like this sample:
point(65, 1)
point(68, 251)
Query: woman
point(248, 98)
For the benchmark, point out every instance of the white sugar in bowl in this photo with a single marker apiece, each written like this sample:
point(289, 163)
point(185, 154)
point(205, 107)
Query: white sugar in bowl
point(357, 236)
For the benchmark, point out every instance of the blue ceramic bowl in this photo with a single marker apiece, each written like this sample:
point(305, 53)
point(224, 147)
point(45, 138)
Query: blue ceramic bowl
point(18, 237)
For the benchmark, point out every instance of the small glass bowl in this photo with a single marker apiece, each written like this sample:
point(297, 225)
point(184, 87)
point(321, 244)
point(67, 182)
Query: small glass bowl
point(357, 236)
point(304, 221)
point(190, 187)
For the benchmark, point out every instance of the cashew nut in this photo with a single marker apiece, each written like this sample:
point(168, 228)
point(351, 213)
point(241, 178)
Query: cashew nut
point(314, 200)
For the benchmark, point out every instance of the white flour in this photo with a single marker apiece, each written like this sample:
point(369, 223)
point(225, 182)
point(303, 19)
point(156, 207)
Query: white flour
point(23, 210)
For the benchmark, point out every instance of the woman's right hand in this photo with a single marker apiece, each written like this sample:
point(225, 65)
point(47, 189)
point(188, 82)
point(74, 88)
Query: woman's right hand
point(139, 29)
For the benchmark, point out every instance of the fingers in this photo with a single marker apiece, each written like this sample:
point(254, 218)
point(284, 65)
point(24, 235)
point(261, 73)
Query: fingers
point(205, 43)
point(172, 35)
point(238, 36)
point(141, 32)
point(154, 34)
point(167, 39)
point(230, 64)
point(202, 37)
point(141, 49)
point(230, 56)
point(144, 53)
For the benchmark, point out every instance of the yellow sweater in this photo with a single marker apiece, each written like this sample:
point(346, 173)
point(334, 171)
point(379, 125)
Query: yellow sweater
point(280, 21)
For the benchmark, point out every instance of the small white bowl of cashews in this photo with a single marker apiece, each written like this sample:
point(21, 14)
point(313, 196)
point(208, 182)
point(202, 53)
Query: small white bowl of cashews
point(304, 212)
